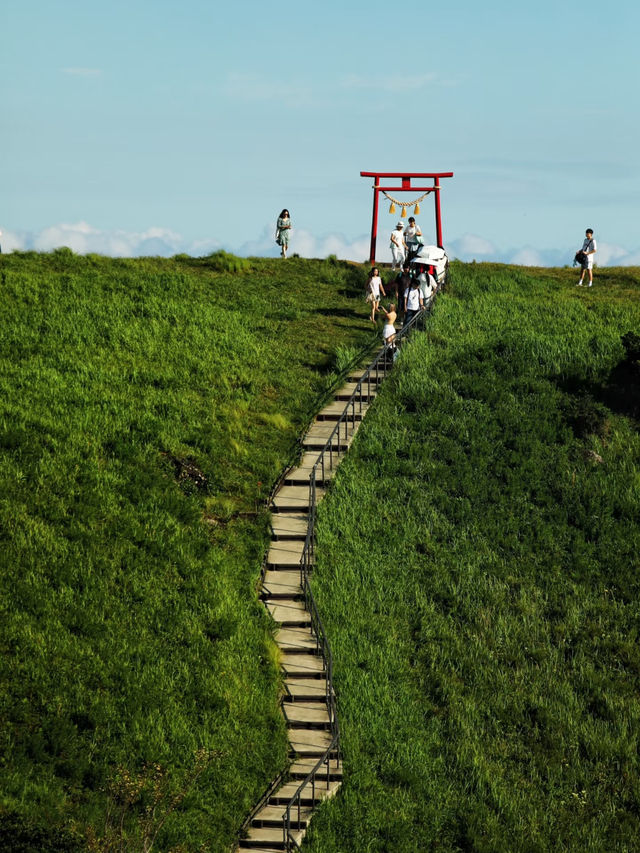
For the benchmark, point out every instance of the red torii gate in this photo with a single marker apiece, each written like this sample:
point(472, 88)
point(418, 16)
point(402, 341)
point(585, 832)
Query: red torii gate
point(405, 186)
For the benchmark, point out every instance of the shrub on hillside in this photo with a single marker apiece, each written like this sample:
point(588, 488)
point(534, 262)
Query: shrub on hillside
point(20, 836)
point(222, 261)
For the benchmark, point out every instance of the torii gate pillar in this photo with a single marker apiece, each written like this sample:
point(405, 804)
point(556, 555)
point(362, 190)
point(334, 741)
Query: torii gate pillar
point(404, 187)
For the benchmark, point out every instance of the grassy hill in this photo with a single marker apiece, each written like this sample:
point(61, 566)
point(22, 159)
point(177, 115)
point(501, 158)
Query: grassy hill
point(478, 561)
point(479, 577)
point(146, 408)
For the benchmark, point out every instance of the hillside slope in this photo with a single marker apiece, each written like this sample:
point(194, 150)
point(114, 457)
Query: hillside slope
point(146, 408)
point(479, 577)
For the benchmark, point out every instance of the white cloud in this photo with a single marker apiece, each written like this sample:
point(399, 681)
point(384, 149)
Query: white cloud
point(308, 245)
point(527, 257)
point(83, 238)
point(471, 246)
point(609, 255)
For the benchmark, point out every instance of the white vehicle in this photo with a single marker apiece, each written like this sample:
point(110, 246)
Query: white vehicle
point(430, 267)
point(433, 260)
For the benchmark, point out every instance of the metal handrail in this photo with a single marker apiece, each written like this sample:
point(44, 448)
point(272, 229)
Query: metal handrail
point(296, 799)
point(322, 397)
point(378, 365)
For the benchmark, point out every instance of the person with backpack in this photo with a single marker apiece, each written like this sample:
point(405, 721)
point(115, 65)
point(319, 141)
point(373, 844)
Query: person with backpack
point(413, 238)
point(400, 285)
point(413, 302)
point(588, 250)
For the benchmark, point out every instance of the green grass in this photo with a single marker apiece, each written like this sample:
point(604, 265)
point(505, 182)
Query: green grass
point(479, 578)
point(146, 408)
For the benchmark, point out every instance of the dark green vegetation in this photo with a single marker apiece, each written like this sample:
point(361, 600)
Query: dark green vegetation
point(146, 408)
point(479, 578)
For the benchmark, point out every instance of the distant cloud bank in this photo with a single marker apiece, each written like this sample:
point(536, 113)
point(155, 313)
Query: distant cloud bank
point(84, 239)
point(473, 247)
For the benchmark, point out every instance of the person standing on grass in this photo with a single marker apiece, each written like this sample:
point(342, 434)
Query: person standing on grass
point(589, 249)
point(398, 247)
point(374, 286)
point(283, 227)
point(413, 302)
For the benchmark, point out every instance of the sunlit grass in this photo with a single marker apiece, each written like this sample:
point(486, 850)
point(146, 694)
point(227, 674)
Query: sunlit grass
point(146, 408)
point(478, 574)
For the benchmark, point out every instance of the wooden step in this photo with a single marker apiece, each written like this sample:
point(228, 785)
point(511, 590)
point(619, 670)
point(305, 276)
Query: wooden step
point(285, 554)
point(308, 796)
point(296, 640)
point(294, 498)
point(301, 768)
point(281, 584)
point(266, 837)
point(325, 429)
point(357, 376)
point(289, 614)
point(299, 476)
point(318, 437)
point(334, 411)
point(271, 815)
point(367, 394)
point(306, 689)
point(302, 666)
point(289, 526)
point(308, 743)
point(308, 714)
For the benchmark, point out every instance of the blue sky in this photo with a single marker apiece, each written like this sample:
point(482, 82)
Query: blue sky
point(157, 127)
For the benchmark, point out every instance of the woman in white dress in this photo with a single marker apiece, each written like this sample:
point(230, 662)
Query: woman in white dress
point(283, 227)
point(374, 286)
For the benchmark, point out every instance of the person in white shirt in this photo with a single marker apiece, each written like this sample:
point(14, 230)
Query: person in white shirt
point(427, 282)
point(413, 238)
point(589, 248)
point(413, 302)
point(374, 286)
point(398, 247)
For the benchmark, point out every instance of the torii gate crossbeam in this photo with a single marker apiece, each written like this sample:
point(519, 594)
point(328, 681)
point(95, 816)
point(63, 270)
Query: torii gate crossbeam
point(404, 187)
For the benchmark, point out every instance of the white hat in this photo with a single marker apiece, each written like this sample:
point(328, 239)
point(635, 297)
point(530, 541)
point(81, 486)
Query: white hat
point(400, 225)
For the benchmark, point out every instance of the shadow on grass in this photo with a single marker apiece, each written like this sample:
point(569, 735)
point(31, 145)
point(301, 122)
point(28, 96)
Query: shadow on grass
point(591, 402)
point(340, 312)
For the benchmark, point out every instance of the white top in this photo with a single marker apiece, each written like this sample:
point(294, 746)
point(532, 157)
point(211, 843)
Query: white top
point(411, 232)
point(589, 245)
point(374, 286)
point(397, 237)
point(412, 295)
point(426, 285)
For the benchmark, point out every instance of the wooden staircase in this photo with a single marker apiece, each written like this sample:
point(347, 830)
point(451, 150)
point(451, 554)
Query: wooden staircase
point(305, 707)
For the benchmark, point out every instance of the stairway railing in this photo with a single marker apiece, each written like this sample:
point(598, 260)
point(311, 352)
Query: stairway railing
point(334, 446)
